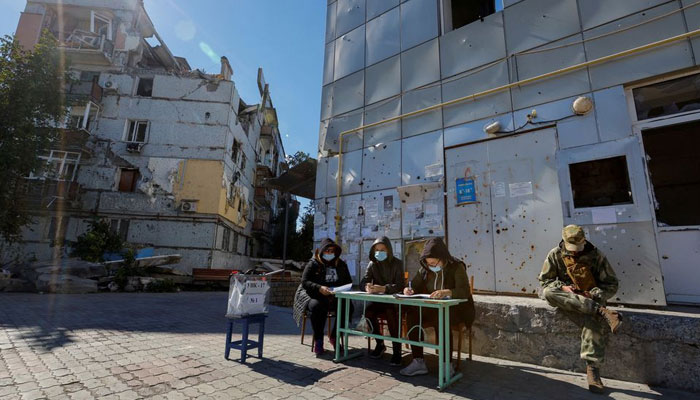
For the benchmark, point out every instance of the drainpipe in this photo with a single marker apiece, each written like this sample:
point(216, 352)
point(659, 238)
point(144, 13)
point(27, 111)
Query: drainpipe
point(473, 96)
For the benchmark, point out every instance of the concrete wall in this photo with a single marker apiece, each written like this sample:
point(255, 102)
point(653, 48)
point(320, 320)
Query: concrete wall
point(652, 347)
point(384, 59)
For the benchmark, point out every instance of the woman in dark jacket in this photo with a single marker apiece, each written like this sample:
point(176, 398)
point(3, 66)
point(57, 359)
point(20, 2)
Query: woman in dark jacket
point(384, 275)
point(441, 276)
point(323, 272)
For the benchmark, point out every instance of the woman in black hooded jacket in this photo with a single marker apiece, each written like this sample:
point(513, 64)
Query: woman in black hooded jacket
point(384, 275)
point(441, 276)
point(324, 271)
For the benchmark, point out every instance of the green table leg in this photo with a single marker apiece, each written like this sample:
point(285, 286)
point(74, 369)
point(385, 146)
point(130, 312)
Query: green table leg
point(441, 348)
point(346, 319)
point(337, 328)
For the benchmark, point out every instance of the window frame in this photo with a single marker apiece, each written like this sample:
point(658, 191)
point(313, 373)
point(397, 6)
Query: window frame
point(94, 15)
point(128, 132)
point(588, 208)
point(138, 84)
point(63, 161)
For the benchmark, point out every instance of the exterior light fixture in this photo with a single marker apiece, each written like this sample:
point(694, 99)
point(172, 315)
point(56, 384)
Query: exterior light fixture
point(492, 127)
point(582, 105)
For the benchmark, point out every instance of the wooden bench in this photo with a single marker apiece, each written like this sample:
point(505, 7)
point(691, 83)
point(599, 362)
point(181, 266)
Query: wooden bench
point(206, 274)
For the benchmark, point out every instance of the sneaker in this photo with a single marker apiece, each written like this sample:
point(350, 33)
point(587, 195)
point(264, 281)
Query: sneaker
point(378, 351)
point(318, 347)
point(396, 359)
point(416, 367)
point(595, 384)
point(613, 318)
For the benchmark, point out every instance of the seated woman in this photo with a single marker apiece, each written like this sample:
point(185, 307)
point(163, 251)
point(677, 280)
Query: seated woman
point(440, 275)
point(384, 275)
point(323, 271)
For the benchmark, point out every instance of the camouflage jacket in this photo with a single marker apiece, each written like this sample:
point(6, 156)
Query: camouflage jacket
point(554, 274)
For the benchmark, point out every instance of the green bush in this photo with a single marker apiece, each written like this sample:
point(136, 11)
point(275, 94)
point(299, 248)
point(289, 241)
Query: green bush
point(98, 240)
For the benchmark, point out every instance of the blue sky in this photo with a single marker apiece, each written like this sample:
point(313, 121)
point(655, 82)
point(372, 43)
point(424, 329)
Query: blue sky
point(284, 37)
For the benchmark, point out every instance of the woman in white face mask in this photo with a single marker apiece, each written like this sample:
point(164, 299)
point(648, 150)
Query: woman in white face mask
point(441, 276)
point(324, 271)
point(384, 275)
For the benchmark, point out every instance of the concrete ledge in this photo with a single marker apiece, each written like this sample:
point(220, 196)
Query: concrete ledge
point(659, 348)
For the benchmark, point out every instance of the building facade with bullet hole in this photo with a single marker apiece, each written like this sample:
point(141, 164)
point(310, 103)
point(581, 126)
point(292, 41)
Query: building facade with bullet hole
point(505, 121)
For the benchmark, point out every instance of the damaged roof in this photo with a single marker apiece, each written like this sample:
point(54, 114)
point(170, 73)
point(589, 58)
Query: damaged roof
point(300, 180)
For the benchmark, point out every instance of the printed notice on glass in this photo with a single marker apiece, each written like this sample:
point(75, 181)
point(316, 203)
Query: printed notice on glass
point(520, 189)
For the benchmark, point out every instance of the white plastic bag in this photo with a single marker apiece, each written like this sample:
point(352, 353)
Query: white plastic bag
point(247, 295)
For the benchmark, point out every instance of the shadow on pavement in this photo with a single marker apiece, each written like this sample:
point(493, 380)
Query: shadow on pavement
point(291, 373)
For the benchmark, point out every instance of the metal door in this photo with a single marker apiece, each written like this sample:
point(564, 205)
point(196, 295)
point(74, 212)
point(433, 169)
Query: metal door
point(505, 234)
point(469, 224)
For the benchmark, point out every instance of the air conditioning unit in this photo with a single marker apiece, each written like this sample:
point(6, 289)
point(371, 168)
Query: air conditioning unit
point(134, 147)
point(188, 206)
point(110, 86)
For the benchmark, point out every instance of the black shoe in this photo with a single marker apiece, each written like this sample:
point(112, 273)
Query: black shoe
point(396, 359)
point(378, 351)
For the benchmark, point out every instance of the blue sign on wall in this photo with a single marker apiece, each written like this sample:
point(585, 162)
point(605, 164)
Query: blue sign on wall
point(465, 191)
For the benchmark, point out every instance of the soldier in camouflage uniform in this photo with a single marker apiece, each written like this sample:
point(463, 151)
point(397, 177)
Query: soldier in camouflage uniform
point(578, 280)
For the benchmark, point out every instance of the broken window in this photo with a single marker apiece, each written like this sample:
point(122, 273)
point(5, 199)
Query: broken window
point(674, 169)
point(234, 247)
point(225, 240)
point(458, 13)
point(600, 183)
point(84, 117)
point(120, 227)
point(145, 87)
point(128, 178)
point(58, 165)
point(101, 25)
point(136, 132)
point(235, 149)
point(667, 98)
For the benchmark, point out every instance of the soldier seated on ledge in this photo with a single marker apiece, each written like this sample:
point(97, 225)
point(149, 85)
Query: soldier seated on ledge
point(578, 280)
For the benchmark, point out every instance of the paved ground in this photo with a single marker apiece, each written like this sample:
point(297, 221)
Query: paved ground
point(129, 346)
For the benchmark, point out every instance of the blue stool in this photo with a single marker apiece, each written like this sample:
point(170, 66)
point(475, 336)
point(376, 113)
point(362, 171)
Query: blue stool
point(244, 344)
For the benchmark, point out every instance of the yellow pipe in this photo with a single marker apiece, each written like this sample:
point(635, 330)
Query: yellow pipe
point(473, 96)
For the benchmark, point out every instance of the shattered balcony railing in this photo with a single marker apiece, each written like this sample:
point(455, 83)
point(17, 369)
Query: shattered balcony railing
point(82, 40)
point(48, 193)
point(263, 196)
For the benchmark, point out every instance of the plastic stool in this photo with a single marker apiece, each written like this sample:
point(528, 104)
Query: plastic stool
point(244, 344)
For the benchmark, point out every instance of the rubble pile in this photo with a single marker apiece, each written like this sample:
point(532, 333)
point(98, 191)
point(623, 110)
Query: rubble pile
point(73, 275)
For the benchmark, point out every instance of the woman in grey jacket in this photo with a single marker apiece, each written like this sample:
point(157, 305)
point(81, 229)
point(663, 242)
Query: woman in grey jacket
point(384, 275)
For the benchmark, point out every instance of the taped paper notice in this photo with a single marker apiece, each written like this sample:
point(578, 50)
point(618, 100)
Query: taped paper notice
point(604, 216)
point(254, 299)
point(499, 189)
point(431, 208)
point(520, 189)
point(388, 203)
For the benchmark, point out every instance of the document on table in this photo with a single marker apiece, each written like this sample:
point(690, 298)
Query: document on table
point(343, 288)
point(417, 296)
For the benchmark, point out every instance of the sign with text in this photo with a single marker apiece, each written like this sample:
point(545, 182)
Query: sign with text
point(466, 192)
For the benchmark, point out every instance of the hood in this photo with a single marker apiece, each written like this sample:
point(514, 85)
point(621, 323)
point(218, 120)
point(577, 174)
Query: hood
point(326, 243)
point(386, 242)
point(435, 248)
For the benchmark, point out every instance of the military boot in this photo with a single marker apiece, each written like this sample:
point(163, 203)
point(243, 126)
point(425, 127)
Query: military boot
point(613, 318)
point(595, 384)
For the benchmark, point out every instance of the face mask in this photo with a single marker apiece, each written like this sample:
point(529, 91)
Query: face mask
point(380, 255)
point(436, 268)
point(328, 257)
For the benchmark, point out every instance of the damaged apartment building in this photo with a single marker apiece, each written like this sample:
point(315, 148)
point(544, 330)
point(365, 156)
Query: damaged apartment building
point(172, 157)
point(495, 123)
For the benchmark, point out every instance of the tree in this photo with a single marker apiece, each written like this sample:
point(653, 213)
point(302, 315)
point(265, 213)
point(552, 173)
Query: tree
point(32, 108)
point(306, 234)
point(298, 158)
